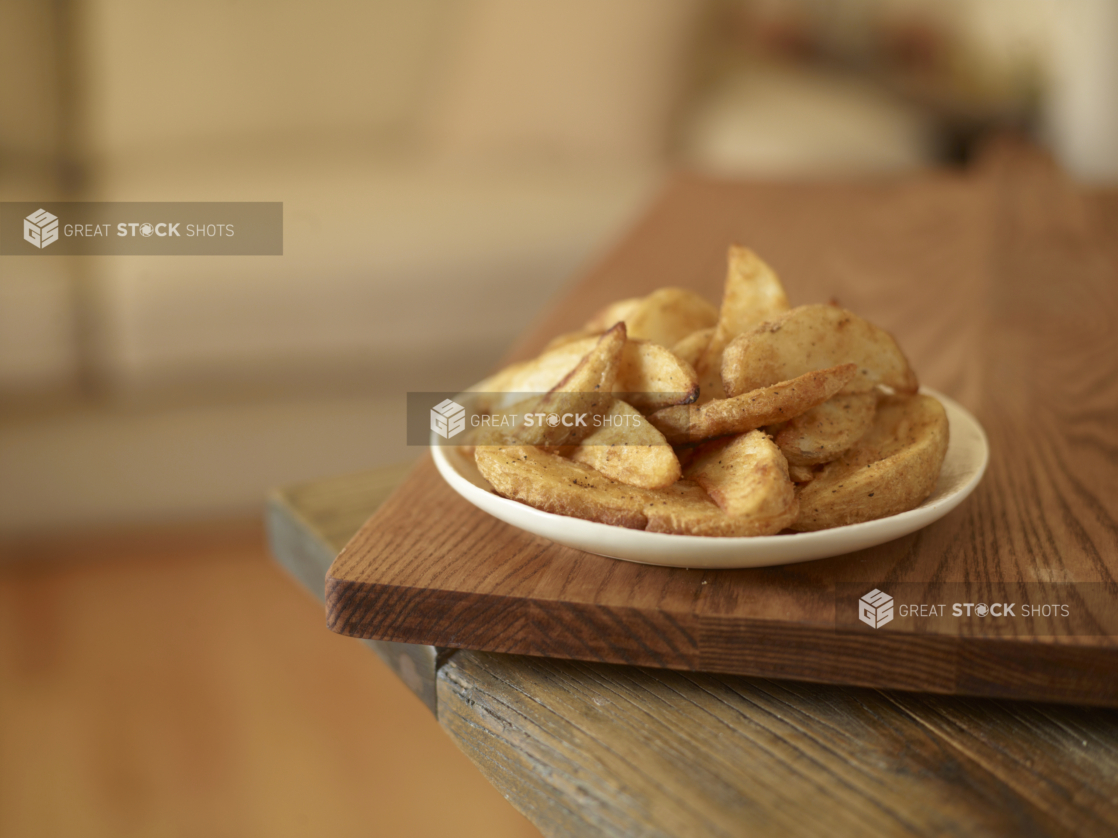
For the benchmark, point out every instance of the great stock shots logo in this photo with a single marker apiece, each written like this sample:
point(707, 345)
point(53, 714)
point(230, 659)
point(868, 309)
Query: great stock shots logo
point(40, 228)
point(875, 609)
point(448, 418)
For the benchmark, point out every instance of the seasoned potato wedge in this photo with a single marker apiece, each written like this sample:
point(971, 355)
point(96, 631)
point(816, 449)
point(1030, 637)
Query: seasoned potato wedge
point(752, 295)
point(648, 376)
point(613, 313)
point(685, 508)
point(747, 476)
point(683, 424)
point(667, 316)
point(549, 482)
point(801, 474)
point(692, 347)
point(586, 390)
point(815, 337)
point(554, 484)
point(824, 432)
point(891, 469)
point(664, 317)
point(629, 449)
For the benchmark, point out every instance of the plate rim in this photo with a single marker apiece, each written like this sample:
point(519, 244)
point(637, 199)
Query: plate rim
point(815, 544)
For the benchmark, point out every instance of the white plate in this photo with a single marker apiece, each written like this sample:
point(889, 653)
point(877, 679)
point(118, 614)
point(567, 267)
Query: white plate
point(967, 455)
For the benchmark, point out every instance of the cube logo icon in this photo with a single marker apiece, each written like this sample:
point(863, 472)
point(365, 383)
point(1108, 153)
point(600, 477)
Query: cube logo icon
point(448, 418)
point(40, 228)
point(875, 609)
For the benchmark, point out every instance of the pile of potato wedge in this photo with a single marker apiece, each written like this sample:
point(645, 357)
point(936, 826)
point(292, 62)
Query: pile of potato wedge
point(751, 419)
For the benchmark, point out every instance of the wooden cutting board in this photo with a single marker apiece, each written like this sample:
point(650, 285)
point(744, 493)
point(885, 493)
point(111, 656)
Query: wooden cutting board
point(1001, 284)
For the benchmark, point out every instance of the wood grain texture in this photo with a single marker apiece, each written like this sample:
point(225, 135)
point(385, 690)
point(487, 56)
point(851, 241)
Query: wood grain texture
point(1002, 287)
point(595, 749)
point(610, 750)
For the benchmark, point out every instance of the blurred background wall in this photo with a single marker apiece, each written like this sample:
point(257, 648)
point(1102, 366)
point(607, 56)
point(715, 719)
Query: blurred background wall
point(444, 166)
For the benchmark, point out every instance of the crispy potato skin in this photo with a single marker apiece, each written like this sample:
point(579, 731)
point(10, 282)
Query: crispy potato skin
point(549, 482)
point(764, 406)
point(824, 432)
point(686, 509)
point(752, 294)
point(554, 484)
point(649, 376)
point(692, 347)
point(892, 469)
point(815, 337)
point(616, 311)
point(629, 450)
point(586, 389)
point(747, 476)
point(667, 316)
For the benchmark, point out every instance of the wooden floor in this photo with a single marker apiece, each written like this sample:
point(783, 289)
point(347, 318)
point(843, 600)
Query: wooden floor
point(175, 682)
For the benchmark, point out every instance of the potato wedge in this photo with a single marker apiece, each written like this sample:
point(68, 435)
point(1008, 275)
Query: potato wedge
point(800, 474)
point(685, 508)
point(664, 317)
point(586, 391)
point(613, 313)
point(747, 476)
point(752, 295)
point(549, 482)
point(649, 376)
point(892, 469)
point(627, 448)
point(668, 315)
point(692, 347)
point(682, 424)
point(811, 338)
point(826, 431)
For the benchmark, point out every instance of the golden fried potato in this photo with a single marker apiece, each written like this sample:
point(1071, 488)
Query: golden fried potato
point(747, 476)
point(664, 317)
point(549, 482)
point(800, 474)
point(692, 347)
point(667, 316)
point(815, 337)
point(752, 295)
point(649, 376)
point(891, 469)
point(613, 313)
point(824, 432)
point(765, 406)
point(684, 508)
point(586, 391)
point(627, 448)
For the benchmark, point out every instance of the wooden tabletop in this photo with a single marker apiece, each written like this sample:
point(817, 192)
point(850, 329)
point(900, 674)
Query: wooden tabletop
point(597, 748)
point(1001, 286)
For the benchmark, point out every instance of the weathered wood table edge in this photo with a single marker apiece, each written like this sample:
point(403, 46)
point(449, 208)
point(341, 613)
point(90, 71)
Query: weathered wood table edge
point(574, 748)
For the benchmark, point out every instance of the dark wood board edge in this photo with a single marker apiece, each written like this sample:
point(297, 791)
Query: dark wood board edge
point(933, 663)
point(306, 549)
point(509, 624)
